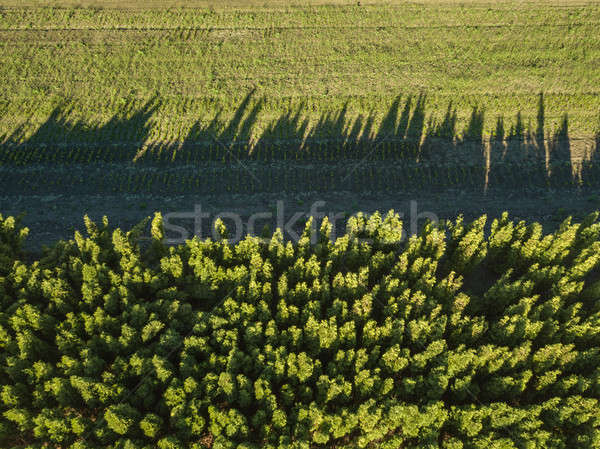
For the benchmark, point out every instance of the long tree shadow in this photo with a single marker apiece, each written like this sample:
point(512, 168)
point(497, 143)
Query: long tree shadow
point(561, 165)
point(332, 137)
point(404, 149)
point(216, 140)
point(63, 140)
point(538, 157)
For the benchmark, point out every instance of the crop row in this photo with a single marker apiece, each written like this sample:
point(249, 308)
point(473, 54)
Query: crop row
point(252, 178)
point(239, 18)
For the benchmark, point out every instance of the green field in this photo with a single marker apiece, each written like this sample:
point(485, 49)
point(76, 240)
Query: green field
point(201, 61)
point(272, 97)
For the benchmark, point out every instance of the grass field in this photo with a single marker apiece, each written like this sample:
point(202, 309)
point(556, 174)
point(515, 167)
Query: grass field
point(200, 61)
point(273, 97)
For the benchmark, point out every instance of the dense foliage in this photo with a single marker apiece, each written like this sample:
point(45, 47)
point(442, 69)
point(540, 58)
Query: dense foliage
point(464, 336)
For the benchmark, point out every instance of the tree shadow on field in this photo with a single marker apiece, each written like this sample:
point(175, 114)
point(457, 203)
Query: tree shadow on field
point(217, 140)
point(404, 149)
point(334, 136)
point(61, 139)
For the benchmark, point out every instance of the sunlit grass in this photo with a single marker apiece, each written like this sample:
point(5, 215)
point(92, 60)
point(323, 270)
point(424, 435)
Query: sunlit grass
point(199, 61)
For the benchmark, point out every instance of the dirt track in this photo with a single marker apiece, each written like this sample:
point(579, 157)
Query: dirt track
point(54, 217)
